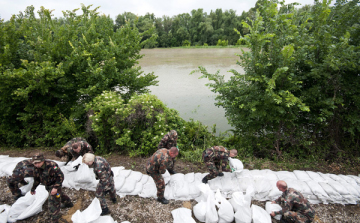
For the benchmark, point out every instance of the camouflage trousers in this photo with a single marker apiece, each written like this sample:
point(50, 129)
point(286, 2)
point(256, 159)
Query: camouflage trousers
point(54, 203)
point(214, 169)
point(295, 217)
point(160, 184)
point(13, 184)
point(103, 188)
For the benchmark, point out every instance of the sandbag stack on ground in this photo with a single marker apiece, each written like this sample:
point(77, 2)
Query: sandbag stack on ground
point(258, 184)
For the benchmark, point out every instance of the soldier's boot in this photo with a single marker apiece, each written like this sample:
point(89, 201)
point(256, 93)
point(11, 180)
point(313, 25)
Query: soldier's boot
point(114, 200)
point(105, 211)
point(282, 220)
point(163, 200)
point(205, 180)
point(67, 205)
point(24, 182)
point(172, 172)
point(221, 174)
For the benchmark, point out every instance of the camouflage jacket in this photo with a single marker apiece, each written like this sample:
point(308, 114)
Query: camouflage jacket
point(292, 200)
point(85, 148)
point(159, 162)
point(102, 169)
point(167, 141)
point(217, 154)
point(24, 169)
point(49, 174)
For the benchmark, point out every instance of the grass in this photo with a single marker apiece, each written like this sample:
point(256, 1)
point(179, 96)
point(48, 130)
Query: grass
point(205, 47)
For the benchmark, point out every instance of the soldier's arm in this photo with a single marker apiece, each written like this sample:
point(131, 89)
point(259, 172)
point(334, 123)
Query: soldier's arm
point(224, 164)
point(287, 206)
point(69, 157)
point(59, 176)
point(36, 183)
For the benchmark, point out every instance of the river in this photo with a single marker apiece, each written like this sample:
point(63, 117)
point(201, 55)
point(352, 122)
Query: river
point(187, 93)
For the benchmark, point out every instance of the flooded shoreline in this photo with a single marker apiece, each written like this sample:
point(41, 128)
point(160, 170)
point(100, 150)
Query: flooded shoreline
point(187, 93)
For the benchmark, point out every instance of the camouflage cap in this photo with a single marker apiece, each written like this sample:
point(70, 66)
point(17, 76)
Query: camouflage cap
point(38, 157)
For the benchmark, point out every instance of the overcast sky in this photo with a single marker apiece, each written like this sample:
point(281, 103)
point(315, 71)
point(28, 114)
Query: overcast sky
point(139, 7)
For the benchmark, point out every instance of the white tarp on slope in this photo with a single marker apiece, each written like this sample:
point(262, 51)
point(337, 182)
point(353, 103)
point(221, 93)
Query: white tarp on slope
point(315, 186)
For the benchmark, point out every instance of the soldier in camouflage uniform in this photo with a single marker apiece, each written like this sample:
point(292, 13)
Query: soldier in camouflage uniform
point(213, 157)
point(23, 169)
point(105, 176)
point(74, 148)
point(169, 140)
point(157, 165)
point(295, 208)
point(49, 174)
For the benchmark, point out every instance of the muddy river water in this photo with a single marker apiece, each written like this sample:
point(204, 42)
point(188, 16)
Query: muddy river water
point(187, 93)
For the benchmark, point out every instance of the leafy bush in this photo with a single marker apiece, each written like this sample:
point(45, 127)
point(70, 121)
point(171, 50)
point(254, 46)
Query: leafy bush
point(222, 42)
point(186, 43)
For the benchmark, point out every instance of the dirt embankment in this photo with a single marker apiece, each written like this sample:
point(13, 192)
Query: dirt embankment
point(139, 210)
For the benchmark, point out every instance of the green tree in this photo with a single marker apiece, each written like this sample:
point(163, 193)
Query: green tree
point(49, 70)
point(300, 90)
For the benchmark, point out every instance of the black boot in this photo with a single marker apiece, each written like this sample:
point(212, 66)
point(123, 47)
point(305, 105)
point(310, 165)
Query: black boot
point(163, 200)
point(205, 180)
point(67, 205)
point(105, 211)
point(221, 174)
point(172, 172)
point(114, 200)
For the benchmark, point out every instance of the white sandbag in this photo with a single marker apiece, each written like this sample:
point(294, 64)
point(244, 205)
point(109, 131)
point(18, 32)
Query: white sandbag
point(225, 212)
point(4, 211)
point(239, 200)
point(104, 219)
point(282, 175)
point(149, 189)
point(228, 182)
point(182, 193)
point(189, 177)
point(135, 175)
point(302, 175)
point(270, 175)
point(169, 194)
point(182, 215)
point(194, 190)
point(326, 177)
point(26, 188)
point(333, 194)
point(315, 176)
point(243, 215)
point(84, 174)
point(137, 190)
point(356, 178)
point(348, 179)
point(215, 183)
point(144, 179)
point(262, 189)
point(124, 173)
point(259, 215)
point(91, 213)
point(116, 170)
point(235, 165)
point(166, 177)
point(336, 178)
point(318, 191)
point(28, 205)
point(300, 186)
point(339, 187)
point(269, 207)
point(119, 181)
point(200, 211)
point(128, 186)
point(244, 174)
point(257, 174)
point(211, 215)
point(245, 182)
point(274, 193)
point(205, 192)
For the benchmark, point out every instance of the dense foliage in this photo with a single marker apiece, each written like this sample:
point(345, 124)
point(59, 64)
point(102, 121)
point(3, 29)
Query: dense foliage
point(301, 90)
point(50, 68)
point(136, 127)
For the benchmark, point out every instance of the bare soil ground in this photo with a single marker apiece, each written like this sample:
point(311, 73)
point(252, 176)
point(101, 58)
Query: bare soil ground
point(138, 210)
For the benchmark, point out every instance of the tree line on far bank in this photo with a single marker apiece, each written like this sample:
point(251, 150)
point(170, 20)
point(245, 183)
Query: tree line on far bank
point(79, 76)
